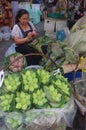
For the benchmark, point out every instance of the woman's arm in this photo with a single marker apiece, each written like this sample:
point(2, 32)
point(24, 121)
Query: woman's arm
point(19, 40)
point(18, 37)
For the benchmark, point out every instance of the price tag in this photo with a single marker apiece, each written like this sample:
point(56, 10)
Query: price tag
point(2, 75)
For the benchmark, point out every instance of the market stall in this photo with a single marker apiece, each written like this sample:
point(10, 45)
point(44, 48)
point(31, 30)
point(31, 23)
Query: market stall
point(42, 96)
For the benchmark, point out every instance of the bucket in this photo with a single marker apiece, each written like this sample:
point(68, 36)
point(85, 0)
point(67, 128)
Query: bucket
point(60, 35)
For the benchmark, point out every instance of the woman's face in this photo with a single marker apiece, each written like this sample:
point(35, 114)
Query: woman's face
point(24, 19)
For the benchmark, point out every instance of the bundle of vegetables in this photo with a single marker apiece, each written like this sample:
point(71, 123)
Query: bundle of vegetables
point(34, 89)
point(41, 41)
point(60, 53)
point(15, 62)
point(64, 52)
point(34, 95)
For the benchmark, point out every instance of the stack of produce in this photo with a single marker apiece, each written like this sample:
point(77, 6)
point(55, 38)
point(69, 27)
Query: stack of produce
point(32, 89)
point(15, 62)
point(58, 53)
point(62, 52)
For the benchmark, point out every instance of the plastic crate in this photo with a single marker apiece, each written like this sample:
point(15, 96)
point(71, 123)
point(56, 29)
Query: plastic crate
point(60, 35)
point(71, 75)
point(56, 15)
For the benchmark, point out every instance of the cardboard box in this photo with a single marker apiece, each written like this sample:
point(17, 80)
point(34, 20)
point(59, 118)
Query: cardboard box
point(52, 25)
point(49, 25)
point(51, 35)
point(60, 24)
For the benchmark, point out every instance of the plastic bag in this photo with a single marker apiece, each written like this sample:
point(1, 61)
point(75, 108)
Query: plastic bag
point(35, 15)
point(44, 118)
point(1, 36)
point(68, 115)
point(55, 118)
point(55, 114)
point(6, 36)
point(6, 31)
point(77, 41)
point(80, 24)
point(10, 50)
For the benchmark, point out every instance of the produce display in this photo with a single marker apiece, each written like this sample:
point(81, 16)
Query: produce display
point(32, 90)
point(37, 97)
point(58, 53)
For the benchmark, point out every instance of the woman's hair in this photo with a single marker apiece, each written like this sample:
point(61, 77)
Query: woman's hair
point(19, 14)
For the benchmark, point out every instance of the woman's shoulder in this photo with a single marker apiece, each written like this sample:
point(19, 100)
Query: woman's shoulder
point(15, 26)
point(16, 30)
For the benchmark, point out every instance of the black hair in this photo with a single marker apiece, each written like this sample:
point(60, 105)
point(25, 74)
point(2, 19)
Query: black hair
point(19, 14)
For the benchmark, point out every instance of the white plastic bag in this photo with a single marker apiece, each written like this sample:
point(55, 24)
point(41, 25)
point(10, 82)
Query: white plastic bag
point(6, 36)
point(1, 36)
point(10, 50)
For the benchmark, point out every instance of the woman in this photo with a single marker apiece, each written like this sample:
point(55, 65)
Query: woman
point(23, 34)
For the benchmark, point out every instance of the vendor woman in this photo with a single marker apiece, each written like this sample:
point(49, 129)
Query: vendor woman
point(23, 34)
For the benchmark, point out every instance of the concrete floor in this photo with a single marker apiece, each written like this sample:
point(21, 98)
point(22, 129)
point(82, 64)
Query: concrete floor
point(4, 45)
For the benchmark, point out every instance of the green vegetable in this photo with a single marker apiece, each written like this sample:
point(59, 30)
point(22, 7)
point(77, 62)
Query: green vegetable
point(34, 88)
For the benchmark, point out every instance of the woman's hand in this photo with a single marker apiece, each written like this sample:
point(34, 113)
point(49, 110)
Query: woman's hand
point(34, 34)
point(29, 36)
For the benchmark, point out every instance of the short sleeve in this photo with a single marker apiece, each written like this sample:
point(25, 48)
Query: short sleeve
point(16, 32)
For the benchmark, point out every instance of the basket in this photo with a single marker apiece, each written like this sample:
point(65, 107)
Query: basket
point(79, 92)
point(7, 64)
point(39, 119)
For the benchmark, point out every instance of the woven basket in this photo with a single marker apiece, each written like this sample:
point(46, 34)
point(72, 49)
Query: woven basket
point(79, 92)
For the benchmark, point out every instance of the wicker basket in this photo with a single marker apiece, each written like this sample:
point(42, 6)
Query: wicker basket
point(79, 92)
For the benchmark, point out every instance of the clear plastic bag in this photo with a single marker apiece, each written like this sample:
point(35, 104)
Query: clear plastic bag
point(6, 32)
point(10, 50)
point(59, 118)
point(43, 118)
point(6, 36)
point(1, 36)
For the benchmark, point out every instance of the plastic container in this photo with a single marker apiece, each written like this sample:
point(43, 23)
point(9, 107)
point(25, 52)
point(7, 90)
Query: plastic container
point(60, 35)
point(56, 15)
